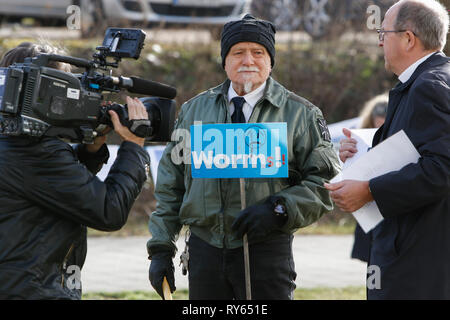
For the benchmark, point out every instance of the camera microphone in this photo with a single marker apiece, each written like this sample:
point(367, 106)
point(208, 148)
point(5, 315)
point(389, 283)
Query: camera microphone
point(147, 87)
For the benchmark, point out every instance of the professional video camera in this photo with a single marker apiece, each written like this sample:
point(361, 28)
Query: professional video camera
point(37, 101)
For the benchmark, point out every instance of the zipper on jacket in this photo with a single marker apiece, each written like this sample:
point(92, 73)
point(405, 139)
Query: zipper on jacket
point(219, 184)
point(63, 266)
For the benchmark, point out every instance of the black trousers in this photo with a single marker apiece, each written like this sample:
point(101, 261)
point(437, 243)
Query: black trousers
point(218, 274)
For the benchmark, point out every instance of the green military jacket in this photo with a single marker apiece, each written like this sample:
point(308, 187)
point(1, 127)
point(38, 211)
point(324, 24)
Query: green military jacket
point(209, 206)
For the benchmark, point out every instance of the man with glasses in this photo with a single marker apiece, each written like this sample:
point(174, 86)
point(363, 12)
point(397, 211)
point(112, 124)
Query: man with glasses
point(411, 246)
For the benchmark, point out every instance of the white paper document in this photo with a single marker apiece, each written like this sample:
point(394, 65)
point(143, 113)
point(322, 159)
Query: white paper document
point(390, 155)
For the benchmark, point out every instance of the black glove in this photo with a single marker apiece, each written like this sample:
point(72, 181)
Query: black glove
point(260, 220)
point(160, 267)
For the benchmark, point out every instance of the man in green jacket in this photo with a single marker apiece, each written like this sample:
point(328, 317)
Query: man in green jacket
point(211, 208)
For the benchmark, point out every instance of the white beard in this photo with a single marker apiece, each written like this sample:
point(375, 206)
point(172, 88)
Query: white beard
point(248, 86)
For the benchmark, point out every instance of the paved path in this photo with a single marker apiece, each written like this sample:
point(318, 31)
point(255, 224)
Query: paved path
point(120, 264)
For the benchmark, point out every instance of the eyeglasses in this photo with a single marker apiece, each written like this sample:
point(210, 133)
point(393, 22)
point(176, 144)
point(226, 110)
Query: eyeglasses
point(381, 33)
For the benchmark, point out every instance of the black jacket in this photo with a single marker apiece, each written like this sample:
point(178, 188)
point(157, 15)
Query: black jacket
point(47, 198)
point(412, 245)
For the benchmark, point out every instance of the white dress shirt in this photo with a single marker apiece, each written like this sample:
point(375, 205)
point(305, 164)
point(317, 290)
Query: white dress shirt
point(410, 70)
point(250, 100)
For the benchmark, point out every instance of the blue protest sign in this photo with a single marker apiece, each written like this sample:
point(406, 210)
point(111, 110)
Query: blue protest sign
point(239, 150)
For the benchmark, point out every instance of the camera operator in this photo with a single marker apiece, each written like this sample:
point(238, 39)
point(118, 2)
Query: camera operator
point(49, 194)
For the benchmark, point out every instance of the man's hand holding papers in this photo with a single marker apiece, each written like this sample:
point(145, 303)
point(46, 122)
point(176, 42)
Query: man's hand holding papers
point(350, 189)
point(350, 195)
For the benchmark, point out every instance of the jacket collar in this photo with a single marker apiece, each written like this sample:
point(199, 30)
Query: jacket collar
point(394, 95)
point(273, 93)
point(436, 59)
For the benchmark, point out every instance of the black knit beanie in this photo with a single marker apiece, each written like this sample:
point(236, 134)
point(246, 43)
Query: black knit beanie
point(249, 29)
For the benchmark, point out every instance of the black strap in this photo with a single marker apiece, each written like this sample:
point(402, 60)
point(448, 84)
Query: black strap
point(141, 127)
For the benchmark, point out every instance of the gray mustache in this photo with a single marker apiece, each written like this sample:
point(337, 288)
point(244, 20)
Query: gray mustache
point(244, 69)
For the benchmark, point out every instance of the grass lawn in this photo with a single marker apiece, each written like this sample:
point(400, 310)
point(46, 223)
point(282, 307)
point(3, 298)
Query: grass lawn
point(348, 293)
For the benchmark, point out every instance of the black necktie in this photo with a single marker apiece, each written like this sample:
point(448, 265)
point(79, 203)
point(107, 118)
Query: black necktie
point(238, 115)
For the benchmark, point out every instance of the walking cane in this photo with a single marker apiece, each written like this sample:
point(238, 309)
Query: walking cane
point(248, 287)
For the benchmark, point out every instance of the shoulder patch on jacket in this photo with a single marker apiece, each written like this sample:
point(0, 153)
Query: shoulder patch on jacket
point(324, 129)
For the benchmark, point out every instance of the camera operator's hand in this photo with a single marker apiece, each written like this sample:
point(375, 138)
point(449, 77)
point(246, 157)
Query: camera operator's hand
point(136, 111)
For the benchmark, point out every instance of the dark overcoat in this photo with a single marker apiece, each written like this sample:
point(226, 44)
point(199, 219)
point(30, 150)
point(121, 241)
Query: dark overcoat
point(411, 246)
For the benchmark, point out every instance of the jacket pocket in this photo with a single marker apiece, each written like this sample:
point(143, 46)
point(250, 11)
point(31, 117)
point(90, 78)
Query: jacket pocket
point(192, 210)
